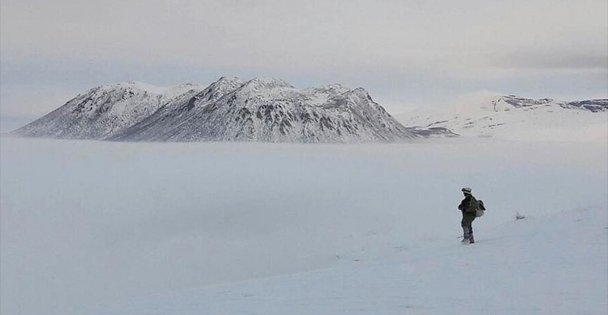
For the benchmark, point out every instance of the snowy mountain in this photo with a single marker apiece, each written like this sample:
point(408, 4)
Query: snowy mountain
point(269, 110)
point(103, 111)
point(517, 118)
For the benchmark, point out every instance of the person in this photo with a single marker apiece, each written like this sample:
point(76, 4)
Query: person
point(469, 207)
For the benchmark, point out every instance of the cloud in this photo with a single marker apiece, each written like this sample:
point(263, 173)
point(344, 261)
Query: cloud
point(399, 48)
point(299, 35)
point(551, 60)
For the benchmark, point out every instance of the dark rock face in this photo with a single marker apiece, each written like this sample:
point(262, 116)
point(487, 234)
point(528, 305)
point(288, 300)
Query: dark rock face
point(433, 132)
point(597, 105)
point(523, 102)
point(594, 105)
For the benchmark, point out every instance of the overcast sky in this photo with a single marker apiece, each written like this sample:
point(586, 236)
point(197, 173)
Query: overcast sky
point(405, 53)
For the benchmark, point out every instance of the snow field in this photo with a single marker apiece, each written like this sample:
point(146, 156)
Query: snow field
point(549, 265)
point(89, 227)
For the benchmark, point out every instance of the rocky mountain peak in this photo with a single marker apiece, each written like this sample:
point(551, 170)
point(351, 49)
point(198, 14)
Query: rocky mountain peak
point(229, 109)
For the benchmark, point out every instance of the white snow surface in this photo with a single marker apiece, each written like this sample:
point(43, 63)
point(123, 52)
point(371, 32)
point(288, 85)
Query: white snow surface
point(91, 227)
point(515, 118)
point(536, 266)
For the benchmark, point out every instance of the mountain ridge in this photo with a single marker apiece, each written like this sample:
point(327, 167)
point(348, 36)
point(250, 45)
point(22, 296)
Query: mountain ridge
point(102, 111)
point(229, 109)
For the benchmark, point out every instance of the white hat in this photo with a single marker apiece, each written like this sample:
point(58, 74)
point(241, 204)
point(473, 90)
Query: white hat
point(467, 190)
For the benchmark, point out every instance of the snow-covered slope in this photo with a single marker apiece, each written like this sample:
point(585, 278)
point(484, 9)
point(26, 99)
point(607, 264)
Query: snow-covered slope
point(100, 227)
point(547, 265)
point(103, 111)
point(269, 110)
point(516, 118)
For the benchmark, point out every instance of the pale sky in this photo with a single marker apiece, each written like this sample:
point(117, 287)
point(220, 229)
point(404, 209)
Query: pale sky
point(405, 53)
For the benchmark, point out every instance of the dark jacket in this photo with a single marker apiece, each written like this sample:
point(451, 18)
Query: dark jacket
point(469, 205)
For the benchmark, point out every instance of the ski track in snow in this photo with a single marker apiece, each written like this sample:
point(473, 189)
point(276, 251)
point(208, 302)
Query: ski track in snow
point(90, 227)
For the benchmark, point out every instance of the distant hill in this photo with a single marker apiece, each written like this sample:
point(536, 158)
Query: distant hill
point(517, 118)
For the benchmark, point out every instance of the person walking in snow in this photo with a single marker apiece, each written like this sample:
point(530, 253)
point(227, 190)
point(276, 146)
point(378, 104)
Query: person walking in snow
point(469, 207)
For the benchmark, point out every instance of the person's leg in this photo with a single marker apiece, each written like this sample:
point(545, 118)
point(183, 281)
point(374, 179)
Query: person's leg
point(465, 228)
point(471, 239)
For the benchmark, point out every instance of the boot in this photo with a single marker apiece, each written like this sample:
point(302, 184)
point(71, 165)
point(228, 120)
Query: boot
point(471, 239)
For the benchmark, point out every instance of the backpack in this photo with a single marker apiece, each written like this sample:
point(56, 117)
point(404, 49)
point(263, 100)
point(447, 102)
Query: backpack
point(481, 209)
